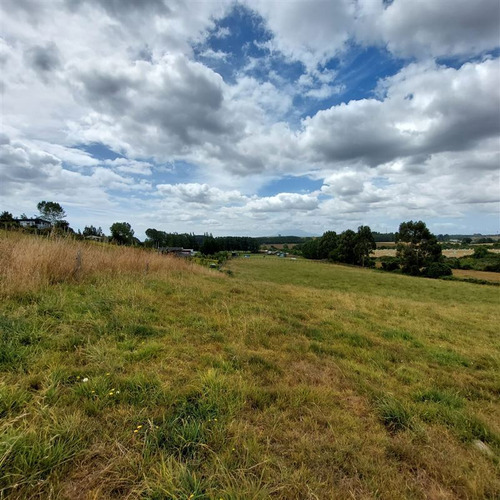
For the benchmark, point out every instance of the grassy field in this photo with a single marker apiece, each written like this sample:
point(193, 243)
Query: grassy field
point(478, 275)
point(461, 252)
point(124, 374)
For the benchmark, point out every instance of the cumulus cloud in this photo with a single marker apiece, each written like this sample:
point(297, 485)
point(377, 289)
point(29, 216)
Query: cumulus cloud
point(425, 140)
point(426, 109)
point(200, 193)
point(169, 105)
point(28, 172)
point(426, 28)
point(284, 201)
point(311, 32)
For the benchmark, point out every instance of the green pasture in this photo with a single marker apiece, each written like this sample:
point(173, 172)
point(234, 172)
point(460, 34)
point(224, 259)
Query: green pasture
point(283, 379)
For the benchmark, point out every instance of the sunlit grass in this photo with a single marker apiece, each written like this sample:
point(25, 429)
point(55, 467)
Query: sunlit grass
point(288, 379)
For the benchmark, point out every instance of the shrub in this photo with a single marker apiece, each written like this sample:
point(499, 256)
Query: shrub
point(493, 267)
point(480, 252)
point(453, 262)
point(437, 269)
point(390, 265)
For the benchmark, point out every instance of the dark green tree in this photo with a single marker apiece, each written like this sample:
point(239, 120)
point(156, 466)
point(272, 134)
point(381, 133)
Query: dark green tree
point(310, 249)
point(156, 238)
point(7, 220)
point(364, 245)
point(92, 231)
point(327, 244)
point(480, 253)
point(417, 247)
point(6, 217)
point(209, 245)
point(51, 211)
point(345, 251)
point(63, 225)
point(122, 233)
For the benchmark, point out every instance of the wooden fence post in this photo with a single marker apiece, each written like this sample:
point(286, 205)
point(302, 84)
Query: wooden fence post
point(78, 263)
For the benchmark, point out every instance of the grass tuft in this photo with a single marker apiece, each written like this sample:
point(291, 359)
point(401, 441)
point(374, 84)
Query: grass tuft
point(394, 414)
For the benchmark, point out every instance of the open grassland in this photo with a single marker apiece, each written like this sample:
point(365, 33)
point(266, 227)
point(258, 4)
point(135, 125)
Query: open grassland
point(156, 379)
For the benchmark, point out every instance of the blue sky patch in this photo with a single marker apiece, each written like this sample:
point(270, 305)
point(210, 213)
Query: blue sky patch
point(290, 184)
point(99, 151)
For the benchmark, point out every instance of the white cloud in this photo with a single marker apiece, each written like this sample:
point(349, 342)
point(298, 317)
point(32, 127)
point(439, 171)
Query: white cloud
point(427, 109)
point(284, 202)
point(311, 32)
point(200, 193)
point(325, 91)
point(427, 141)
point(214, 54)
point(426, 28)
point(221, 32)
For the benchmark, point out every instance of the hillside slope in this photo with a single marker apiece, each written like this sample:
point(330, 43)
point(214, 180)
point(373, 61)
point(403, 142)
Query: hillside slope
point(288, 379)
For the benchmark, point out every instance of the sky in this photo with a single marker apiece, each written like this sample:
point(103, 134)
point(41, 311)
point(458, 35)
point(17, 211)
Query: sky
point(253, 117)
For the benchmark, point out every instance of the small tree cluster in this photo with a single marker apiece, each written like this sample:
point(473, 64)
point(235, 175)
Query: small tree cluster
point(7, 220)
point(348, 247)
point(53, 212)
point(417, 247)
point(92, 231)
point(122, 233)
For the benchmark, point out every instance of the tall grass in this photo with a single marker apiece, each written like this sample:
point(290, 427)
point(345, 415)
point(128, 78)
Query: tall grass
point(28, 263)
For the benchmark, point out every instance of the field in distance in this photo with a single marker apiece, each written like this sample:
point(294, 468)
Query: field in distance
point(461, 252)
point(125, 374)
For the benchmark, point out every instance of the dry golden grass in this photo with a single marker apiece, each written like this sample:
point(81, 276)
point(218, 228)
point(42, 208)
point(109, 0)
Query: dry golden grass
point(28, 263)
point(460, 252)
point(478, 275)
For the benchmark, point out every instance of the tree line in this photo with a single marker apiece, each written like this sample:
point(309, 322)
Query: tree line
point(121, 233)
point(348, 247)
point(206, 244)
point(418, 251)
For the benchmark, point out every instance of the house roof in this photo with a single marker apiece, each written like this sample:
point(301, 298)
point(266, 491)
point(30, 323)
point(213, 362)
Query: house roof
point(38, 220)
